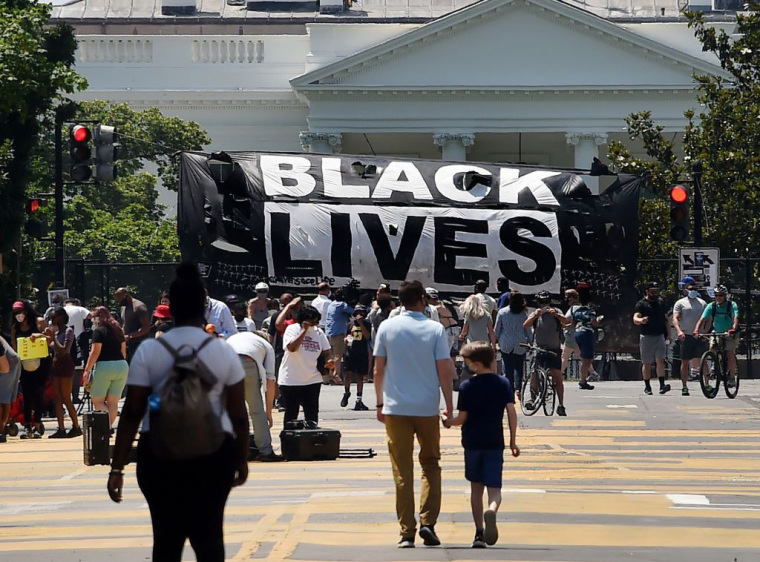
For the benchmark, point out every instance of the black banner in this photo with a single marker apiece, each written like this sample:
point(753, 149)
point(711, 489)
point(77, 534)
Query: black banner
point(293, 220)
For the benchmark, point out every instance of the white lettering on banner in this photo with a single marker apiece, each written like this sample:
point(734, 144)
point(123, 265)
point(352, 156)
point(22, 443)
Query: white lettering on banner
point(443, 247)
point(333, 180)
point(298, 171)
point(404, 177)
point(511, 184)
point(444, 181)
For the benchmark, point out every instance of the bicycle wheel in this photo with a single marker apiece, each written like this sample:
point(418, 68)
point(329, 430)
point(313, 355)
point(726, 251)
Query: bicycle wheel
point(731, 391)
point(709, 374)
point(550, 396)
point(532, 392)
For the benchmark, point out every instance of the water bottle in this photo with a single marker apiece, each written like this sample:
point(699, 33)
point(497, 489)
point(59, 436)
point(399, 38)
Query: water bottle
point(154, 403)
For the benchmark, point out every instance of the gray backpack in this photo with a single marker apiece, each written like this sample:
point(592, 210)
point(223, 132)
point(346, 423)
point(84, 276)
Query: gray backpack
point(185, 425)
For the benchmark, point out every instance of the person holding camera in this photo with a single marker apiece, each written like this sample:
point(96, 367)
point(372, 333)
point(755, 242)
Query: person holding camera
point(299, 378)
point(548, 323)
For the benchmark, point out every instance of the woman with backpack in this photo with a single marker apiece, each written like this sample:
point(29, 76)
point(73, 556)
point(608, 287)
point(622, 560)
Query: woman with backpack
point(107, 367)
point(188, 460)
point(63, 373)
point(27, 323)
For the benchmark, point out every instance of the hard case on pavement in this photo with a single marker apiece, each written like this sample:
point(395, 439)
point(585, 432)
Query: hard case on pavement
point(310, 444)
point(96, 433)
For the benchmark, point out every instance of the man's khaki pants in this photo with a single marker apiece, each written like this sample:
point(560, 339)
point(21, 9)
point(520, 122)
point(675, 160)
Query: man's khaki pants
point(401, 431)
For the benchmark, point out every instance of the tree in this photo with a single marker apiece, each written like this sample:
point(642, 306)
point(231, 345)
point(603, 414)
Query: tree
point(724, 136)
point(36, 74)
point(123, 221)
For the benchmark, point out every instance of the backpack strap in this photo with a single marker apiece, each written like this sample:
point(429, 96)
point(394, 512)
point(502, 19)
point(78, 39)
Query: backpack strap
point(175, 354)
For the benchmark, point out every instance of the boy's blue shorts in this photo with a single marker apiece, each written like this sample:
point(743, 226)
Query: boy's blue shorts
point(484, 466)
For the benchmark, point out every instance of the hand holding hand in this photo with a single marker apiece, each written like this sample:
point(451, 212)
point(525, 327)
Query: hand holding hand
point(445, 420)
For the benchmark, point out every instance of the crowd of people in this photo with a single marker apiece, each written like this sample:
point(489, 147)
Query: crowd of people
point(243, 359)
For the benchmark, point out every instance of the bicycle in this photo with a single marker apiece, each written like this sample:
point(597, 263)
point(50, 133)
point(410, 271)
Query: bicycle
point(713, 367)
point(542, 391)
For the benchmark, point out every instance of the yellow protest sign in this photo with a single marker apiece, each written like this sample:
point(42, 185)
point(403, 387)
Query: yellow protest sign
point(28, 349)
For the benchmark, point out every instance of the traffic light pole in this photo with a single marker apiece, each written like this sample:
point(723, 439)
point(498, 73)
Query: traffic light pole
point(696, 170)
point(60, 257)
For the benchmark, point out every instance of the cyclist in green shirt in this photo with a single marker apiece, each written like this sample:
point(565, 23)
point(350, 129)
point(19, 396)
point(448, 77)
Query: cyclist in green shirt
point(723, 315)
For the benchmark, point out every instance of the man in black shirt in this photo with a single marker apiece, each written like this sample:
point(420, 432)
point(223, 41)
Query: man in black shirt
point(651, 318)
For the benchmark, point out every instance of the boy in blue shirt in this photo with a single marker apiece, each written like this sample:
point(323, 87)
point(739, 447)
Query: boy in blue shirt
point(481, 405)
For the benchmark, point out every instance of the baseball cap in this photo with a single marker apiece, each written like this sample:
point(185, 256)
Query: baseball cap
point(384, 287)
point(360, 308)
point(431, 292)
point(18, 305)
point(686, 280)
point(162, 311)
point(653, 285)
point(262, 287)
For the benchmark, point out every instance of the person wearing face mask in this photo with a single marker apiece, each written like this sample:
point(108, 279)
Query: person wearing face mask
point(651, 317)
point(686, 313)
point(723, 316)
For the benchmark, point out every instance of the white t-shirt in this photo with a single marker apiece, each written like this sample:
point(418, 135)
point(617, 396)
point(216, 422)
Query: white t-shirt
point(246, 325)
point(488, 302)
point(321, 303)
point(257, 348)
point(430, 311)
point(299, 368)
point(77, 316)
point(152, 363)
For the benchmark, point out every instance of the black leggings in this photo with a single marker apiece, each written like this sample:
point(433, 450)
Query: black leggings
point(33, 388)
point(301, 396)
point(186, 501)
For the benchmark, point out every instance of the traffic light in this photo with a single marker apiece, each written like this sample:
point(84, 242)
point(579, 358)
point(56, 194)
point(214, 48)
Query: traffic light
point(35, 226)
point(106, 152)
point(81, 153)
point(679, 213)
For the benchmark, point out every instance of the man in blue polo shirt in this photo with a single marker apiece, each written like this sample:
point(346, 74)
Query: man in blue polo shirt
point(412, 362)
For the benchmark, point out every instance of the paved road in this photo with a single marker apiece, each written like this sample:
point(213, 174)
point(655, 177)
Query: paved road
point(625, 477)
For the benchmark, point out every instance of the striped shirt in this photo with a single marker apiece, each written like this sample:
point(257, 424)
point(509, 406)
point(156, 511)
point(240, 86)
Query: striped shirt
point(510, 332)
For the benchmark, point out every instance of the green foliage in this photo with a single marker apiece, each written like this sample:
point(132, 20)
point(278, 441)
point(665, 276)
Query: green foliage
point(724, 136)
point(35, 75)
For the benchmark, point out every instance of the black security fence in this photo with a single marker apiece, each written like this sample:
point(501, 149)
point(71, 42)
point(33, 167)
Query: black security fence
point(742, 278)
point(94, 282)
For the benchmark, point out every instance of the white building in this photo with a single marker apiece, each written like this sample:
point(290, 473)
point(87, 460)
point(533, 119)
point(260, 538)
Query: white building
point(535, 81)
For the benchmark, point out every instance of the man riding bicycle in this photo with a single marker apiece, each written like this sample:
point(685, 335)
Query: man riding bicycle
point(723, 316)
point(548, 323)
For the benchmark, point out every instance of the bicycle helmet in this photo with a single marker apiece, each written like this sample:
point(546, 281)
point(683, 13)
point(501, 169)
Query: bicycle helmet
point(543, 296)
point(721, 290)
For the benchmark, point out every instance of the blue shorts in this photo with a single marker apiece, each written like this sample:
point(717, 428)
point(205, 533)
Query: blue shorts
point(585, 341)
point(484, 466)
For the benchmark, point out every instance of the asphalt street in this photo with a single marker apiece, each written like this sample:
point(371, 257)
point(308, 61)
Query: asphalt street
point(623, 477)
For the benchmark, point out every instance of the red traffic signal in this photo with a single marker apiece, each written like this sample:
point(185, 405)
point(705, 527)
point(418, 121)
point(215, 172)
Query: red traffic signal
point(80, 133)
point(679, 194)
point(679, 213)
point(34, 204)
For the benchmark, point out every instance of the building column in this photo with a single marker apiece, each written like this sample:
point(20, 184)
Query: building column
point(454, 145)
point(321, 143)
point(586, 149)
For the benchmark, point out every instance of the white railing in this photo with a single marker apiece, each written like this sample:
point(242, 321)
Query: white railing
point(115, 50)
point(220, 51)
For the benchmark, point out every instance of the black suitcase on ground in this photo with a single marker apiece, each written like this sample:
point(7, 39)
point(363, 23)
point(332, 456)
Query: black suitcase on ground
point(96, 437)
point(310, 444)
